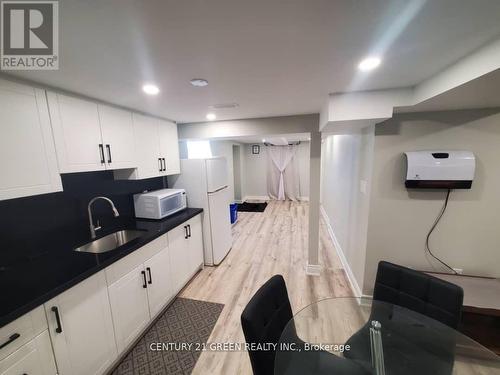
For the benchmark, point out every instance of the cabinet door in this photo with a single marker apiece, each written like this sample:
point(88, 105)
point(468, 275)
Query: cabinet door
point(27, 153)
point(178, 246)
point(118, 137)
point(129, 307)
point(169, 147)
point(77, 134)
point(195, 243)
point(159, 276)
point(85, 343)
point(35, 357)
point(147, 152)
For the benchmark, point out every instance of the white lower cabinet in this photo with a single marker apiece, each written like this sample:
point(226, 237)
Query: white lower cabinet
point(159, 281)
point(81, 328)
point(33, 358)
point(178, 241)
point(92, 323)
point(186, 251)
point(139, 287)
point(195, 243)
point(129, 307)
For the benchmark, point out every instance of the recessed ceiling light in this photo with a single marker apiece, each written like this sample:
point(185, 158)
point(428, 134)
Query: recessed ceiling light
point(263, 141)
point(150, 89)
point(211, 116)
point(369, 63)
point(199, 82)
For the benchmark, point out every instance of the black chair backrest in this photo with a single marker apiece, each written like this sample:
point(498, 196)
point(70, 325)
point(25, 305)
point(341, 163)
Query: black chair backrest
point(264, 319)
point(420, 292)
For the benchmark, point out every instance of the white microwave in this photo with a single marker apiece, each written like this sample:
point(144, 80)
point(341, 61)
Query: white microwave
point(159, 204)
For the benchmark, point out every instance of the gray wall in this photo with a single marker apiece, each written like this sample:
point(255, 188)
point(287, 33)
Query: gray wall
point(346, 165)
point(468, 236)
point(250, 127)
point(225, 148)
point(255, 172)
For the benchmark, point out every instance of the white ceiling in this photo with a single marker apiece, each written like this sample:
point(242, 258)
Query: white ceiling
point(274, 58)
point(483, 92)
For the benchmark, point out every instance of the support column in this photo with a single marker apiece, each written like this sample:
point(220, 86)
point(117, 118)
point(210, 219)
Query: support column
point(313, 266)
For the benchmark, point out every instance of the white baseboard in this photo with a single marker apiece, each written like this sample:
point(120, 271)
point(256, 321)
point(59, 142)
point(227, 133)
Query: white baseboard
point(313, 269)
point(265, 198)
point(350, 275)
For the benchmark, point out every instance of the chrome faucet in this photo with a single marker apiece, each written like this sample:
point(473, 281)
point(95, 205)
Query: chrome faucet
point(93, 227)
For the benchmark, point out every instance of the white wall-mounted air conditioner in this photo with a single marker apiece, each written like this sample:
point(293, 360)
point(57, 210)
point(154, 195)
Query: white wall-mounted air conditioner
point(440, 169)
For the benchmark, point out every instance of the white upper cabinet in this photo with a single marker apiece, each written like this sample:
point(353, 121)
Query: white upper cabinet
point(156, 148)
point(77, 133)
point(169, 147)
point(91, 136)
point(117, 137)
point(146, 146)
point(81, 328)
point(28, 163)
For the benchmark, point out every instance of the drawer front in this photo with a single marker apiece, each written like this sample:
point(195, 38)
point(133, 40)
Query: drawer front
point(119, 269)
point(22, 330)
point(33, 358)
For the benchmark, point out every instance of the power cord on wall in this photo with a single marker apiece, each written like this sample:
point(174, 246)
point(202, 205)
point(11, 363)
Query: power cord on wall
point(436, 222)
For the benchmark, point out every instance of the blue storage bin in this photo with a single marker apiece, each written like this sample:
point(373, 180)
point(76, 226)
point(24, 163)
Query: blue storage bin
point(233, 208)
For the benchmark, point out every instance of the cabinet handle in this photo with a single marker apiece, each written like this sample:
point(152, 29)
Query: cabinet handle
point(101, 151)
point(161, 165)
point(189, 230)
point(12, 338)
point(150, 281)
point(108, 148)
point(55, 310)
point(164, 164)
point(145, 285)
point(186, 232)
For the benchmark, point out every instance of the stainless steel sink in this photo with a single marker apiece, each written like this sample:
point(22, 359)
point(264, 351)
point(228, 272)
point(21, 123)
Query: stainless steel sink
point(111, 241)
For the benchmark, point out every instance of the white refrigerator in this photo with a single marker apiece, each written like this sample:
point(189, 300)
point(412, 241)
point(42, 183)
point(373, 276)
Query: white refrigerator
point(206, 185)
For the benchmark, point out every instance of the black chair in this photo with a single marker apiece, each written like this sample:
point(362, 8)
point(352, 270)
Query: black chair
point(263, 321)
point(420, 292)
point(410, 345)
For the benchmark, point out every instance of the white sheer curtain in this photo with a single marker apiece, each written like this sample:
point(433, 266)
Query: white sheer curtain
point(282, 173)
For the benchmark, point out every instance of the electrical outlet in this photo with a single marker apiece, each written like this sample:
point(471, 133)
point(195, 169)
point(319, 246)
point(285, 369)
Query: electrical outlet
point(363, 186)
point(458, 270)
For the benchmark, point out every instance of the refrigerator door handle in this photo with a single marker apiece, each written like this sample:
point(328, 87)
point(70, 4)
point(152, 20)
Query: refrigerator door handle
point(219, 189)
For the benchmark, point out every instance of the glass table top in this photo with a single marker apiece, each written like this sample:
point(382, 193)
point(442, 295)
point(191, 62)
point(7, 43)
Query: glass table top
point(362, 336)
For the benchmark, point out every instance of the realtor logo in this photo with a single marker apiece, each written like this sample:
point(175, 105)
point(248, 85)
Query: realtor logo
point(29, 35)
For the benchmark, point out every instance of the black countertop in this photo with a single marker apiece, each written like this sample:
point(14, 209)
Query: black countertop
point(33, 273)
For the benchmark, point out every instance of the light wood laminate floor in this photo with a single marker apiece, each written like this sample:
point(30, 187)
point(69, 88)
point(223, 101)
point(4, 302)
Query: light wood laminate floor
point(265, 244)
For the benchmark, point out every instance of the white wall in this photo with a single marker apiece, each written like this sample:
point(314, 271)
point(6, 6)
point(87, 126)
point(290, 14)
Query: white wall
point(468, 236)
point(346, 165)
point(256, 171)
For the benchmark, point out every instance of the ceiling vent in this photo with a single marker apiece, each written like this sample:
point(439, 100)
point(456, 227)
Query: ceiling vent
point(224, 106)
